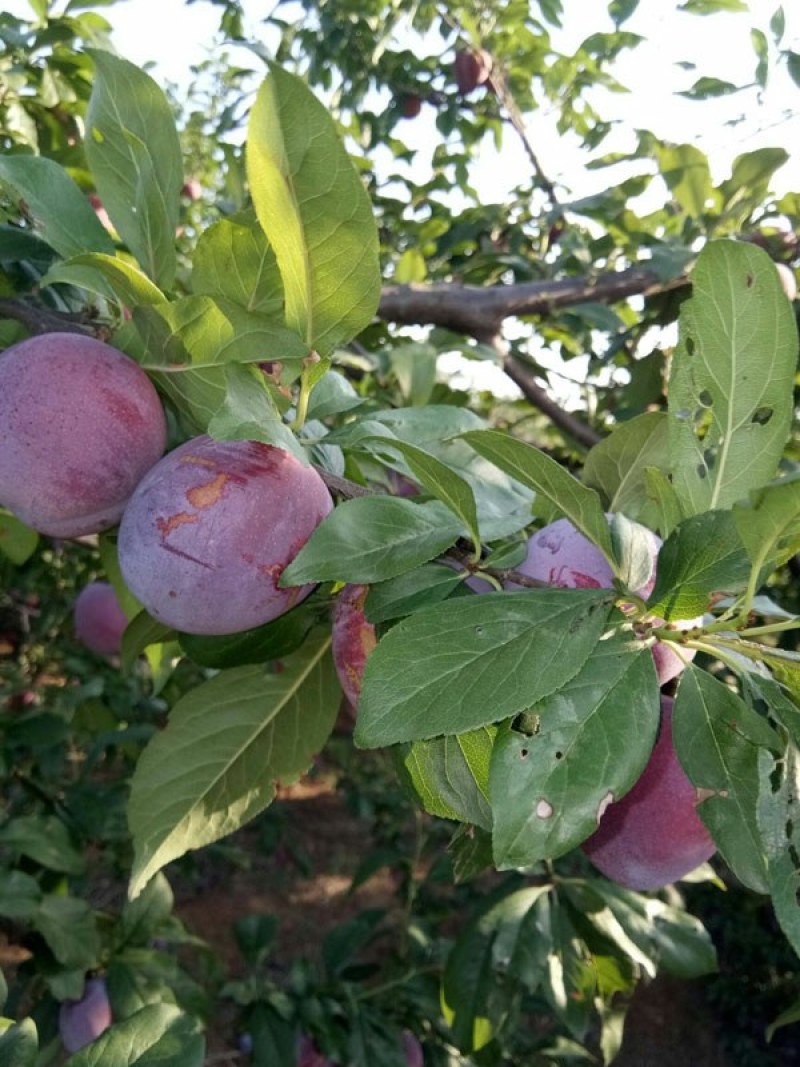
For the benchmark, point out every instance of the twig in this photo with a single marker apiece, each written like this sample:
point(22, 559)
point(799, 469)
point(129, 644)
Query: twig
point(564, 420)
point(42, 320)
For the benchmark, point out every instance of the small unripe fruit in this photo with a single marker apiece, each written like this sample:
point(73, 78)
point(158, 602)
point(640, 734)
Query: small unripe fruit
point(100, 622)
point(82, 1021)
point(192, 189)
point(353, 639)
point(211, 528)
point(80, 425)
point(653, 835)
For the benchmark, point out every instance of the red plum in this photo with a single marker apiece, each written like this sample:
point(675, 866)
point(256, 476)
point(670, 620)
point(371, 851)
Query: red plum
point(80, 425)
point(353, 639)
point(211, 528)
point(82, 1021)
point(653, 835)
point(99, 620)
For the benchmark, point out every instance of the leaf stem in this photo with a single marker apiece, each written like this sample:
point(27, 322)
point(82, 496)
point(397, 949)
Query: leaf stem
point(302, 400)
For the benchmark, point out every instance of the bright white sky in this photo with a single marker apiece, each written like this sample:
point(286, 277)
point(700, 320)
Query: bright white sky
point(174, 35)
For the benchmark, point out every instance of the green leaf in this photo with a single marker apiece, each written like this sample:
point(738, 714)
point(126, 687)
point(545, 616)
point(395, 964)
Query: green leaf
point(663, 511)
point(769, 524)
point(226, 746)
point(474, 661)
point(470, 852)
point(272, 641)
point(512, 933)
point(143, 917)
point(333, 395)
point(450, 775)
point(793, 66)
point(730, 394)
point(442, 482)
point(200, 331)
point(677, 942)
point(421, 588)
point(44, 839)
point(538, 471)
point(702, 556)
point(761, 48)
point(749, 183)
point(18, 542)
point(158, 1035)
point(709, 7)
point(707, 88)
point(99, 273)
point(373, 538)
point(777, 821)
point(233, 259)
point(140, 633)
point(59, 210)
point(717, 739)
point(415, 367)
point(248, 413)
point(134, 154)
point(790, 1015)
point(19, 1045)
point(685, 170)
point(315, 212)
point(616, 466)
point(20, 895)
point(592, 739)
point(69, 927)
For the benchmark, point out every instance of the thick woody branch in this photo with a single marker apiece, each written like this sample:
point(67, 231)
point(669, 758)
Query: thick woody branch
point(38, 319)
point(565, 420)
point(479, 312)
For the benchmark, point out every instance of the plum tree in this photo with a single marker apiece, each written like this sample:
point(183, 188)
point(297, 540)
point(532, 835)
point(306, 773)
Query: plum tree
point(99, 620)
point(80, 424)
point(353, 639)
point(82, 1021)
point(210, 529)
point(559, 555)
point(653, 835)
point(471, 69)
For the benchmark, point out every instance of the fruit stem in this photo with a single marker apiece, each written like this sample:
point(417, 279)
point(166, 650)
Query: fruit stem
point(771, 628)
point(302, 400)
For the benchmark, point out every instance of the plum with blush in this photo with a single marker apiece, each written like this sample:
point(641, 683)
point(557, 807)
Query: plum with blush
point(653, 835)
point(211, 528)
point(80, 426)
point(353, 639)
point(99, 620)
point(82, 1021)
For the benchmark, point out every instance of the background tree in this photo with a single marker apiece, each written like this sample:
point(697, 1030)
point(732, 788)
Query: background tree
point(252, 286)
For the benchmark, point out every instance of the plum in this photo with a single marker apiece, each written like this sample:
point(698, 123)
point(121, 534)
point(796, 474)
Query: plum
point(410, 105)
point(210, 529)
point(80, 425)
point(99, 620)
point(559, 555)
point(471, 69)
point(82, 1021)
point(412, 1050)
point(308, 1055)
point(353, 639)
point(653, 835)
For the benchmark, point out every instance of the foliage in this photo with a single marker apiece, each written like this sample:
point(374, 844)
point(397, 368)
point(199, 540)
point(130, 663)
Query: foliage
point(259, 313)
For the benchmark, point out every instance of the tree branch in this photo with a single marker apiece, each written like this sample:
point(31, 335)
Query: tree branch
point(479, 312)
point(42, 320)
point(565, 420)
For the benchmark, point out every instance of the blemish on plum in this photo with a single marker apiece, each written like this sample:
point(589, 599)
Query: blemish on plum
point(544, 809)
point(166, 526)
point(208, 494)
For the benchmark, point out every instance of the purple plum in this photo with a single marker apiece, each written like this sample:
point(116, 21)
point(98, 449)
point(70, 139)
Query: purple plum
point(653, 835)
point(308, 1055)
point(560, 556)
point(412, 1049)
point(211, 528)
point(80, 425)
point(353, 639)
point(99, 620)
point(82, 1021)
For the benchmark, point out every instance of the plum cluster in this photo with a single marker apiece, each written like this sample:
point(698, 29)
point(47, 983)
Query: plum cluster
point(653, 835)
point(205, 532)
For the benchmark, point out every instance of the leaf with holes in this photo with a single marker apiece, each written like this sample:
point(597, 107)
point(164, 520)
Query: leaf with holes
point(780, 832)
point(226, 746)
point(583, 746)
point(315, 212)
point(474, 661)
point(730, 391)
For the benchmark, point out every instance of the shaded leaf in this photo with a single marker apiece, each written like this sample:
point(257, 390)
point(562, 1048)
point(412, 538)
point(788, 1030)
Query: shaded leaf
point(156, 1034)
point(450, 775)
point(617, 465)
point(233, 259)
